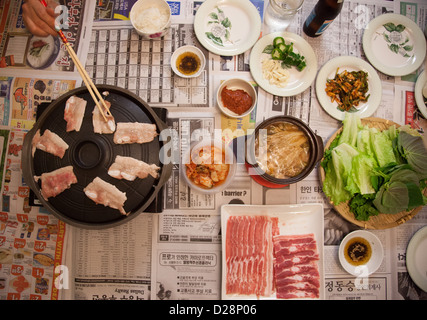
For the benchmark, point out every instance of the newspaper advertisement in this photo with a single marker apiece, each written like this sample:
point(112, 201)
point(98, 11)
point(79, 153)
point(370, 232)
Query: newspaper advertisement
point(25, 51)
point(32, 240)
point(177, 254)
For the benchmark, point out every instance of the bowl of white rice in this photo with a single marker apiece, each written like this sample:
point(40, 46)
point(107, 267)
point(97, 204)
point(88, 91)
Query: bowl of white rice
point(151, 18)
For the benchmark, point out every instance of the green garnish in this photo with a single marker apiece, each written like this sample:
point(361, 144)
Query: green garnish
point(279, 50)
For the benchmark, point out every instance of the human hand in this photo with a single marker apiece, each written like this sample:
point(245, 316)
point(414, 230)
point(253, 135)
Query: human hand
point(38, 19)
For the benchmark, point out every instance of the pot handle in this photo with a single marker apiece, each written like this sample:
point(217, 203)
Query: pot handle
point(320, 148)
point(27, 159)
point(160, 123)
point(166, 174)
point(238, 145)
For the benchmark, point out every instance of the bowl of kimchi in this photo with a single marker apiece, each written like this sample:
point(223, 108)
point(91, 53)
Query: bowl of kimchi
point(208, 166)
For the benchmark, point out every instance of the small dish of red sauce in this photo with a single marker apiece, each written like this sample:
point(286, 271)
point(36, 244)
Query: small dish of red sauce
point(236, 98)
point(238, 101)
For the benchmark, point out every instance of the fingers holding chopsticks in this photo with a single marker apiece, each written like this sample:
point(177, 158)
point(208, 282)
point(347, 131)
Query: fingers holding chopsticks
point(38, 19)
point(39, 11)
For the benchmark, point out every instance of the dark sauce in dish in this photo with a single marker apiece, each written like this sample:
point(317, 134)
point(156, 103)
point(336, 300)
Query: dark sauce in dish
point(188, 63)
point(357, 251)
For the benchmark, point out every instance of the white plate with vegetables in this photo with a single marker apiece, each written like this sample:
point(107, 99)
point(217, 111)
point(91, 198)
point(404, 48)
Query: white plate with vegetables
point(348, 84)
point(368, 182)
point(283, 68)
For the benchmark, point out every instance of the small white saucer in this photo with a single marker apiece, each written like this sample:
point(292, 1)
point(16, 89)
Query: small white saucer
point(376, 257)
point(188, 48)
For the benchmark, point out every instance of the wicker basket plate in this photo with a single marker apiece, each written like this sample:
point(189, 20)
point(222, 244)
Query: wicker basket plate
point(382, 221)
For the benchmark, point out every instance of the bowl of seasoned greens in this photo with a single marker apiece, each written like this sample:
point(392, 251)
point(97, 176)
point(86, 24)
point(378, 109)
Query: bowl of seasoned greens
point(373, 172)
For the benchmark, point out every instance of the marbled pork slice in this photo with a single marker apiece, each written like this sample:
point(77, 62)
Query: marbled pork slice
point(134, 132)
point(102, 192)
point(74, 113)
point(49, 142)
point(55, 182)
point(129, 168)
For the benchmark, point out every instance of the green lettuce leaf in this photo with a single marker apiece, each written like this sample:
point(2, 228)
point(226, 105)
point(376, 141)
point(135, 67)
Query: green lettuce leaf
point(351, 126)
point(337, 173)
point(359, 180)
point(363, 141)
point(383, 148)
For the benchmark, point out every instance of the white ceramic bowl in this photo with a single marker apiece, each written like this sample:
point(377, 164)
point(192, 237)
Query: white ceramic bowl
point(235, 84)
point(138, 12)
point(372, 264)
point(229, 159)
point(182, 50)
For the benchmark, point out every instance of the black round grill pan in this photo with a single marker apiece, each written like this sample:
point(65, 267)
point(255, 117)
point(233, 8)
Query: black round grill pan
point(91, 154)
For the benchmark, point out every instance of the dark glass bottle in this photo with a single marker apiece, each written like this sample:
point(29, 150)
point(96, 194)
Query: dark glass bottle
point(323, 13)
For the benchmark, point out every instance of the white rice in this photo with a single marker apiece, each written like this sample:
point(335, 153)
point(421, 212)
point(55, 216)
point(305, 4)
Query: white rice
point(151, 19)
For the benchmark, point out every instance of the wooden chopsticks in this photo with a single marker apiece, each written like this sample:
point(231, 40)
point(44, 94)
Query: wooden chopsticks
point(93, 90)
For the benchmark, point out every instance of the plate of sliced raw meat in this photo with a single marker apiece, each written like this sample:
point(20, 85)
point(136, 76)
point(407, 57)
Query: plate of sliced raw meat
point(272, 251)
point(85, 173)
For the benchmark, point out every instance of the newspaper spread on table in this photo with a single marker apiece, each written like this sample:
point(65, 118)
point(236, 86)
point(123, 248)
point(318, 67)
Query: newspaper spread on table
point(176, 254)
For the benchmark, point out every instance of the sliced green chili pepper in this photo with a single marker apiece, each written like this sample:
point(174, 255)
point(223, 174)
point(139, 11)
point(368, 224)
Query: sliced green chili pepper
point(276, 54)
point(277, 41)
point(282, 51)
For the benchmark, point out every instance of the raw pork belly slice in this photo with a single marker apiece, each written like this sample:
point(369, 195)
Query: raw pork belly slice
point(74, 112)
point(249, 255)
point(134, 132)
point(295, 266)
point(130, 168)
point(99, 124)
point(49, 142)
point(57, 181)
point(102, 192)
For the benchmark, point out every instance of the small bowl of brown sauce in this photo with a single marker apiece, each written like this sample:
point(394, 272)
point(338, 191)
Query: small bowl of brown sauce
point(188, 61)
point(236, 97)
point(361, 253)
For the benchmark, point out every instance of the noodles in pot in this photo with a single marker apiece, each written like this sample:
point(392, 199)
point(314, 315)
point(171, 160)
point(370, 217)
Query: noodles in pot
point(282, 150)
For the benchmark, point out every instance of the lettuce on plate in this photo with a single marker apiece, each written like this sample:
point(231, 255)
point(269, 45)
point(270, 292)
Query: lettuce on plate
point(360, 176)
point(376, 171)
point(383, 148)
point(351, 126)
point(338, 170)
